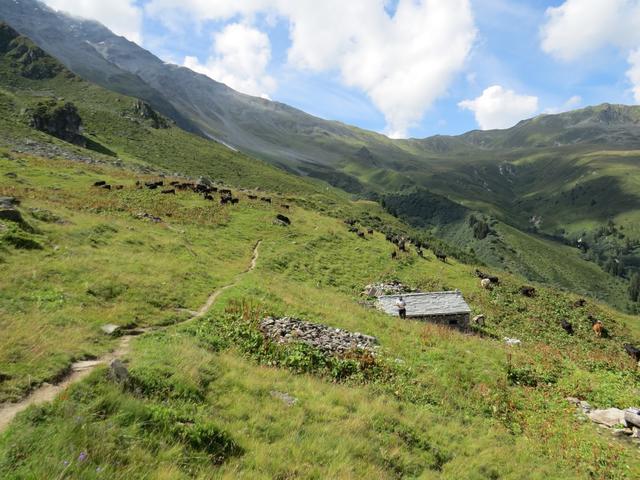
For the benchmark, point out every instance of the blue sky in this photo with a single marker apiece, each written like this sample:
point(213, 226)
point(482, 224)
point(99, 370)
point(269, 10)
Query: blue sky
point(480, 64)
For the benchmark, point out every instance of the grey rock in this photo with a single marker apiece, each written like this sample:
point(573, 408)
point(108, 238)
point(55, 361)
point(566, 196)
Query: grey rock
point(111, 329)
point(585, 406)
point(206, 181)
point(632, 417)
point(284, 398)
point(609, 417)
point(330, 341)
point(119, 373)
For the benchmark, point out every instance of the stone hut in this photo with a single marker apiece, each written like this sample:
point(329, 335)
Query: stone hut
point(448, 308)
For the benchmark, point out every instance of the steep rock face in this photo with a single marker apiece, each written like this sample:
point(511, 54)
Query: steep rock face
point(144, 111)
point(28, 58)
point(61, 121)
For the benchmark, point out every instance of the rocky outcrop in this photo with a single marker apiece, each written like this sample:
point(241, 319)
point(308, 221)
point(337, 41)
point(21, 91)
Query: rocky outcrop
point(61, 121)
point(9, 210)
point(389, 288)
point(143, 110)
point(331, 341)
point(29, 59)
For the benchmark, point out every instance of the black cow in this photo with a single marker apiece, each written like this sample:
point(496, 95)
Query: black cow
point(579, 303)
point(634, 352)
point(370, 231)
point(208, 197)
point(283, 219)
point(253, 197)
point(442, 257)
point(491, 278)
point(235, 201)
point(566, 326)
point(528, 291)
point(225, 200)
point(266, 199)
point(361, 234)
point(119, 187)
point(169, 191)
point(394, 255)
point(99, 183)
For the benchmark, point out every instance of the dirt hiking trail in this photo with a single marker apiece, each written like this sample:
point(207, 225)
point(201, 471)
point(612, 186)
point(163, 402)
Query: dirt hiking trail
point(80, 370)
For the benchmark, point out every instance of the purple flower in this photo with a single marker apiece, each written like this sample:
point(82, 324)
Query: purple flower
point(82, 457)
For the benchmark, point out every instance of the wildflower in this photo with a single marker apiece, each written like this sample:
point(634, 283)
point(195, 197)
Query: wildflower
point(65, 463)
point(82, 457)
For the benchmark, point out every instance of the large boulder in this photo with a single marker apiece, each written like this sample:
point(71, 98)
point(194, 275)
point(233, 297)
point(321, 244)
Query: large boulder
point(60, 120)
point(9, 210)
point(609, 417)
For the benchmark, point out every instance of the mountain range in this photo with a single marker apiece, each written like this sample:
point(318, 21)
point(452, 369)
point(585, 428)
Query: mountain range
point(543, 184)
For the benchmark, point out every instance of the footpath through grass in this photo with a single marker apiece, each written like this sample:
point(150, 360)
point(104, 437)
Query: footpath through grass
point(204, 398)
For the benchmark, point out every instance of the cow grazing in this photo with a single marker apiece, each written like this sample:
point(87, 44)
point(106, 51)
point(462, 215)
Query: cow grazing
point(235, 201)
point(353, 230)
point(566, 326)
point(579, 303)
point(361, 234)
point(226, 192)
point(370, 231)
point(99, 183)
point(528, 291)
point(442, 257)
point(286, 207)
point(169, 191)
point(266, 199)
point(633, 351)
point(598, 328)
point(224, 200)
point(394, 255)
point(479, 320)
point(350, 221)
point(208, 197)
point(283, 219)
point(491, 278)
point(253, 197)
point(486, 284)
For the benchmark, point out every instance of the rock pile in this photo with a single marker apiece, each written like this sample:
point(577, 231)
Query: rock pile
point(391, 288)
point(621, 422)
point(331, 341)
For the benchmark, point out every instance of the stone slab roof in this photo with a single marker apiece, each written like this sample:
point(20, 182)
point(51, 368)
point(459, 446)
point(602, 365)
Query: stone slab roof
point(426, 304)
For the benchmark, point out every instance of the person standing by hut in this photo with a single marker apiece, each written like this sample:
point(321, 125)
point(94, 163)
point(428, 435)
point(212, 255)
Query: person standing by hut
point(402, 307)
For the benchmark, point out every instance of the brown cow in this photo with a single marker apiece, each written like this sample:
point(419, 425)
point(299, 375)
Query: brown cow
point(598, 328)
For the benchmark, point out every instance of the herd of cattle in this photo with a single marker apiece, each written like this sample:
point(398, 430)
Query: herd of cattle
point(205, 189)
point(401, 242)
point(488, 282)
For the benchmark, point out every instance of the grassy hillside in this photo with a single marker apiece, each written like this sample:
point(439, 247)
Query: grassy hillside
point(207, 395)
point(436, 403)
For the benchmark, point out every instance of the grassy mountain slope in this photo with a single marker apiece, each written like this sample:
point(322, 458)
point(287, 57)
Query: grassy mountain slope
point(570, 173)
point(435, 404)
point(205, 396)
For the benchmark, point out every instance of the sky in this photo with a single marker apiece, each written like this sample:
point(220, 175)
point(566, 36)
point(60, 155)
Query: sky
point(405, 68)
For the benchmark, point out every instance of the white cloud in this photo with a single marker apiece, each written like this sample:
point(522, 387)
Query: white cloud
point(580, 27)
point(500, 108)
point(571, 104)
point(121, 16)
point(634, 73)
point(241, 57)
point(403, 63)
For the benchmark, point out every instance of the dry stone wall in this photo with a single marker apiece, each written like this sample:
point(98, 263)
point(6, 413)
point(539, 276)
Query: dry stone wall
point(331, 341)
